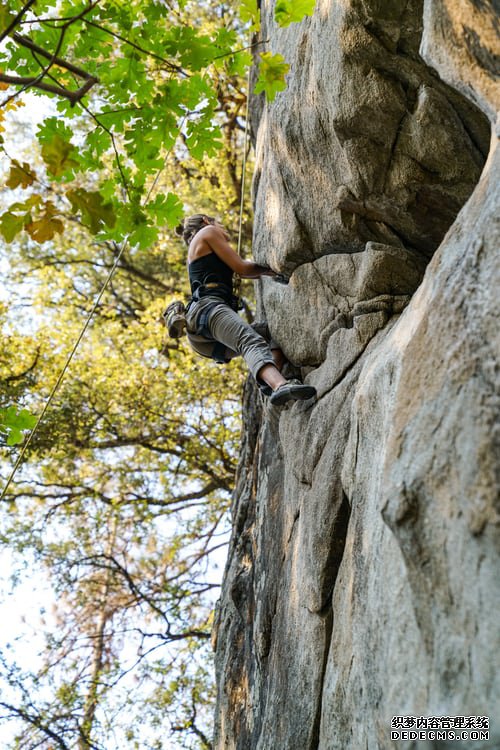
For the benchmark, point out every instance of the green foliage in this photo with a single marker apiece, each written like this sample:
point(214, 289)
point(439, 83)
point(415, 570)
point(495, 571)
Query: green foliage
point(93, 210)
point(158, 83)
point(273, 69)
point(6, 16)
point(166, 210)
point(59, 156)
point(51, 128)
point(20, 175)
point(293, 11)
point(249, 12)
point(11, 224)
point(15, 422)
point(37, 216)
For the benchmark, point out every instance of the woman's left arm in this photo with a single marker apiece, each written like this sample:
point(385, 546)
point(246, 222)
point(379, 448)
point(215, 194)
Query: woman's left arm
point(221, 247)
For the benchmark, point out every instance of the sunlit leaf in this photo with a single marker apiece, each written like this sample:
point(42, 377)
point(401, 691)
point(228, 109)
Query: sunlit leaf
point(11, 225)
point(249, 12)
point(293, 11)
point(52, 126)
point(15, 422)
point(21, 175)
point(46, 226)
point(6, 16)
point(272, 71)
point(59, 155)
point(94, 211)
point(167, 209)
point(203, 139)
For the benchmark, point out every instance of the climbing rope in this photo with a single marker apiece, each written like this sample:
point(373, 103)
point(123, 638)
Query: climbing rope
point(237, 283)
point(63, 371)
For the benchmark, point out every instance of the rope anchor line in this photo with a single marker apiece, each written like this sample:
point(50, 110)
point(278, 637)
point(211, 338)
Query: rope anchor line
point(237, 284)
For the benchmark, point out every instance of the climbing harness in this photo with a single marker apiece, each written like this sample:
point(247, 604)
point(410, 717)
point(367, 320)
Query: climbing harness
point(216, 289)
point(218, 293)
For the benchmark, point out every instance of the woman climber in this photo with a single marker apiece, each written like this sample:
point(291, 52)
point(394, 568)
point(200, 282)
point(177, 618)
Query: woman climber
point(214, 328)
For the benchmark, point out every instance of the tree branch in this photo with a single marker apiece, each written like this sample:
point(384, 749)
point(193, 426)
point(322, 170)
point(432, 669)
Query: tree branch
point(26, 82)
point(16, 20)
point(37, 722)
point(37, 82)
point(19, 376)
point(24, 41)
point(115, 35)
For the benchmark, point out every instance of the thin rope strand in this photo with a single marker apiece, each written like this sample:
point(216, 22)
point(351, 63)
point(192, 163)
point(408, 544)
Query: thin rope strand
point(244, 166)
point(64, 369)
point(237, 284)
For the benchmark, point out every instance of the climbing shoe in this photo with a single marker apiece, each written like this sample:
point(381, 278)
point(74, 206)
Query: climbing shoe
point(265, 389)
point(294, 390)
point(175, 319)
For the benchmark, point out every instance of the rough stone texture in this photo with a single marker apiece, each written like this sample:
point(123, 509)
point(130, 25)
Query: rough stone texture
point(362, 575)
point(461, 42)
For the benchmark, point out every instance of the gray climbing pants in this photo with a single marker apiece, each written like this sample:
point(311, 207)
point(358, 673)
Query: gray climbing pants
point(227, 328)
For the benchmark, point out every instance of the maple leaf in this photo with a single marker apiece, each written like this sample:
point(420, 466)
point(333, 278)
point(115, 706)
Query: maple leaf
point(58, 155)
point(14, 423)
point(273, 69)
point(293, 11)
point(20, 175)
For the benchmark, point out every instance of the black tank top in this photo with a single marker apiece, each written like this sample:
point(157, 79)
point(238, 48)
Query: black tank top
point(210, 269)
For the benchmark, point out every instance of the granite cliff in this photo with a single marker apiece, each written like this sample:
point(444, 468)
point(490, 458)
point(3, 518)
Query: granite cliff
point(362, 580)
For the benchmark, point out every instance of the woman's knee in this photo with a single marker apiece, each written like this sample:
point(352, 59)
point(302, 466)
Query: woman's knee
point(248, 339)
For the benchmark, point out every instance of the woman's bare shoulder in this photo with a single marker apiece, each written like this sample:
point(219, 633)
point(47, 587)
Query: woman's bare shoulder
point(200, 244)
point(211, 231)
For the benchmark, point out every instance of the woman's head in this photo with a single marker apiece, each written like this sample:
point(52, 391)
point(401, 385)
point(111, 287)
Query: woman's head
point(191, 225)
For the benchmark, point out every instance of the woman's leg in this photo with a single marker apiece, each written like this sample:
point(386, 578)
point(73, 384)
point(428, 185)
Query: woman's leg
point(227, 327)
point(279, 358)
point(272, 376)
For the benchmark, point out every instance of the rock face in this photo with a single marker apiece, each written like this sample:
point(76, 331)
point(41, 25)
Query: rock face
point(362, 579)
